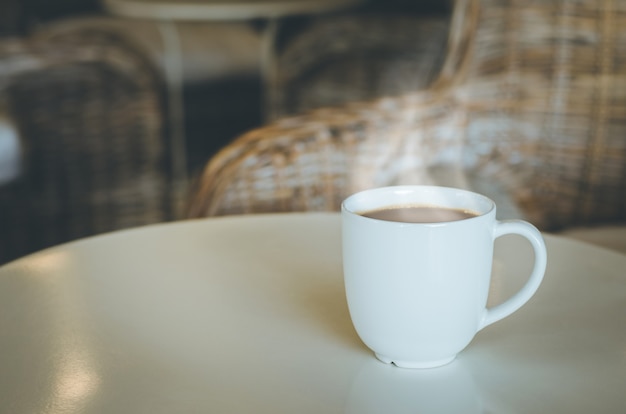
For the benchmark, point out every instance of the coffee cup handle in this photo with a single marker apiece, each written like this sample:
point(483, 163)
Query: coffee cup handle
point(522, 296)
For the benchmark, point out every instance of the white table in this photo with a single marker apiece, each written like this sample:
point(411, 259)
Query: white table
point(247, 315)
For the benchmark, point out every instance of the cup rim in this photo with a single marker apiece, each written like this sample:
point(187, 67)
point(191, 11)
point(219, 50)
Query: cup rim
point(491, 205)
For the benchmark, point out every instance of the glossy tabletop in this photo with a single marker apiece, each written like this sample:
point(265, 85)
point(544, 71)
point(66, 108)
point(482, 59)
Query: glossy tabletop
point(247, 314)
point(221, 9)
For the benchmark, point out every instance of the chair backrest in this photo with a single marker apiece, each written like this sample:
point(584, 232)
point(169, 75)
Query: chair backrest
point(543, 93)
point(529, 108)
point(90, 114)
point(352, 57)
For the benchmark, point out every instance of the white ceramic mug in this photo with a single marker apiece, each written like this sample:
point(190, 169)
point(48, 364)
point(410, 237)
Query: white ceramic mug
point(417, 292)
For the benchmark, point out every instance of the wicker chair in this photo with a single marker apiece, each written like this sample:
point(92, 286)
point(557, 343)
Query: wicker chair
point(89, 109)
point(529, 108)
point(333, 60)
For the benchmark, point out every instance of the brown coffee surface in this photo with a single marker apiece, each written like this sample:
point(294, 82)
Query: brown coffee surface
point(419, 214)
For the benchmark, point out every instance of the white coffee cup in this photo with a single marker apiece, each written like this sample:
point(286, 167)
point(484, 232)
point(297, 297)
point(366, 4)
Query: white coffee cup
point(417, 292)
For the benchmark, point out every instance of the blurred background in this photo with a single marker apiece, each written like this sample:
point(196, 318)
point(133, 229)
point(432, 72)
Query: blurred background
point(111, 109)
point(108, 112)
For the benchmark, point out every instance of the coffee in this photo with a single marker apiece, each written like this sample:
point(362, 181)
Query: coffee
point(419, 214)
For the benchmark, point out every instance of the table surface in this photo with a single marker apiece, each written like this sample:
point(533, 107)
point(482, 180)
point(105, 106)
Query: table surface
point(221, 9)
point(248, 314)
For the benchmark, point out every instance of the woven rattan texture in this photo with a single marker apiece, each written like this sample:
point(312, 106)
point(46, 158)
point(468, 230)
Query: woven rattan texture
point(355, 57)
point(530, 106)
point(90, 111)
